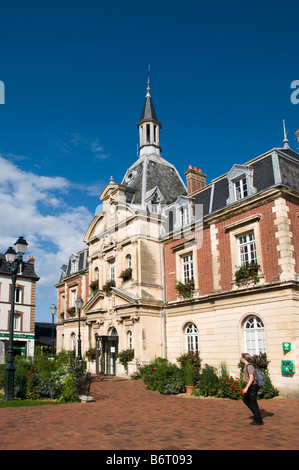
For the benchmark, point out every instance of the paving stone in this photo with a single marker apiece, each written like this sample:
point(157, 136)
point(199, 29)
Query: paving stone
point(126, 416)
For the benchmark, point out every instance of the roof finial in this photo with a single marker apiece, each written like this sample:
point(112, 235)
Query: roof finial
point(285, 142)
point(148, 94)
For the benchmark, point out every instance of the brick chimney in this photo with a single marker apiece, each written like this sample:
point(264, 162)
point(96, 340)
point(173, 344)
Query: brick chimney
point(195, 180)
point(297, 135)
point(31, 260)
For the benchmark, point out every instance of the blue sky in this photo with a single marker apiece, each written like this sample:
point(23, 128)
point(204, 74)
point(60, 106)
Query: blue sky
point(75, 76)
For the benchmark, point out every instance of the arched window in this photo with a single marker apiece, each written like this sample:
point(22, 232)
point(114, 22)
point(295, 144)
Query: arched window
point(254, 336)
point(191, 338)
point(130, 339)
point(128, 261)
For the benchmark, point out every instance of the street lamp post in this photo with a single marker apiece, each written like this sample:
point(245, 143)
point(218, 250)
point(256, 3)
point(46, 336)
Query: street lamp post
point(53, 311)
point(79, 305)
point(14, 259)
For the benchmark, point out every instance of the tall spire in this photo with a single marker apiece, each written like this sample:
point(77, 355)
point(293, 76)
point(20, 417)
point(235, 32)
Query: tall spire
point(149, 125)
point(285, 142)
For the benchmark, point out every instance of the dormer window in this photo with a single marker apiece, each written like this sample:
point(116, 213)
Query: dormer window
point(241, 189)
point(130, 177)
point(240, 183)
point(184, 215)
point(74, 265)
point(153, 200)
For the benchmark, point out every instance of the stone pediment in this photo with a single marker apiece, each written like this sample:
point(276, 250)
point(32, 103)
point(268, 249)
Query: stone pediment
point(100, 302)
point(94, 302)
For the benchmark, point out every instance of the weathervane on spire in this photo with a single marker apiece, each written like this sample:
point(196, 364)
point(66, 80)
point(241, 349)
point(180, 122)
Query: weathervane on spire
point(285, 142)
point(148, 82)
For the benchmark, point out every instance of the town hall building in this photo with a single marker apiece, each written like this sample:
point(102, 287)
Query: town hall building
point(172, 266)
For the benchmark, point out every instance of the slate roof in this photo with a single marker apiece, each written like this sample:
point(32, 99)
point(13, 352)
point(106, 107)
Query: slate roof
point(148, 111)
point(150, 172)
point(82, 264)
point(214, 196)
point(27, 269)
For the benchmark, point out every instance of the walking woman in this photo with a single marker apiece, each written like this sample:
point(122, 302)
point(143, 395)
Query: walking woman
point(251, 389)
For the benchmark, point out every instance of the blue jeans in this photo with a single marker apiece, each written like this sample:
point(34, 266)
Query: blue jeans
point(250, 400)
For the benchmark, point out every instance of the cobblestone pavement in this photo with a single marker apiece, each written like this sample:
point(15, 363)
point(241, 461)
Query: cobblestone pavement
point(126, 416)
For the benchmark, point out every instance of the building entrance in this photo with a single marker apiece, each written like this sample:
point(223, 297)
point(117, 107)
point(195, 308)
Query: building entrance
point(106, 353)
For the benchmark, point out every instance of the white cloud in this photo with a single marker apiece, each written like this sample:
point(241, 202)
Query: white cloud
point(33, 206)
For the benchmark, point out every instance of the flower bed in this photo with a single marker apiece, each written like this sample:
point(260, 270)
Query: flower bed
point(39, 378)
point(164, 377)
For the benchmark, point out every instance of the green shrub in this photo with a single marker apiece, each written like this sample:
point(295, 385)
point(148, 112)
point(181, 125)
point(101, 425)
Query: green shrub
point(190, 374)
point(40, 378)
point(230, 387)
point(208, 383)
point(269, 391)
point(191, 356)
point(162, 376)
point(69, 389)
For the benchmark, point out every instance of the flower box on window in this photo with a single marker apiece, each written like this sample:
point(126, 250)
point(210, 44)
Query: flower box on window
point(126, 275)
point(94, 286)
point(185, 290)
point(71, 311)
point(107, 288)
point(247, 273)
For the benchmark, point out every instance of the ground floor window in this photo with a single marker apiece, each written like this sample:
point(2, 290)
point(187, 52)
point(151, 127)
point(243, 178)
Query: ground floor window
point(254, 336)
point(130, 339)
point(191, 338)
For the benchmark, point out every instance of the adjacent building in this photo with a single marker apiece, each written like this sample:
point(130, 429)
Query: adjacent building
point(73, 283)
point(24, 315)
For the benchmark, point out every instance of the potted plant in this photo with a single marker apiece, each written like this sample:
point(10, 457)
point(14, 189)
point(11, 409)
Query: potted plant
point(185, 290)
point(247, 273)
point(94, 286)
point(126, 275)
point(107, 287)
point(71, 311)
point(190, 377)
point(91, 354)
point(125, 356)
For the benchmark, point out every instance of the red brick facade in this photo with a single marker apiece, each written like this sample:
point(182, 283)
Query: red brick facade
point(267, 241)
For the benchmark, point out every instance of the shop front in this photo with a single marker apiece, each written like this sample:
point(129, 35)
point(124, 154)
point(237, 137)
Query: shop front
point(23, 345)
